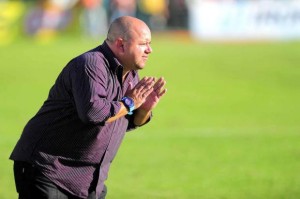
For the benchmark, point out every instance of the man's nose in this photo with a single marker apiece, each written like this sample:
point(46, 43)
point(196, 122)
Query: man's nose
point(149, 49)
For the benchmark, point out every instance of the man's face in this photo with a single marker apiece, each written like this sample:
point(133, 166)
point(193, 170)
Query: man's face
point(137, 49)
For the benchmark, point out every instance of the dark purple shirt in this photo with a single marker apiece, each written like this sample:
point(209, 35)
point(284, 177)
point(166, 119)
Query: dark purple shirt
point(68, 139)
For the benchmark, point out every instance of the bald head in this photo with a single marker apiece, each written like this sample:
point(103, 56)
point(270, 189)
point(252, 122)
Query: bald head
point(129, 39)
point(125, 27)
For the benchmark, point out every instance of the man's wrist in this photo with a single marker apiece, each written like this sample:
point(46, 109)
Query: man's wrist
point(143, 111)
point(142, 116)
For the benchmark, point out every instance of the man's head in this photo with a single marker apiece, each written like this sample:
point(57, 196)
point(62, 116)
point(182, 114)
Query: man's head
point(129, 38)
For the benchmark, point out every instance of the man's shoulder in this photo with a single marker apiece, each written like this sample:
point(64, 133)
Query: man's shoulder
point(94, 53)
point(93, 56)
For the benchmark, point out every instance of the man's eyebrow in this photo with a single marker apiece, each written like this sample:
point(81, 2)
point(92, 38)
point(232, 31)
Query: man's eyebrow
point(145, 41)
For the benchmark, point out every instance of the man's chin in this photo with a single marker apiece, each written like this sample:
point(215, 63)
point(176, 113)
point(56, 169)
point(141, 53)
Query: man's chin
point(139, 67)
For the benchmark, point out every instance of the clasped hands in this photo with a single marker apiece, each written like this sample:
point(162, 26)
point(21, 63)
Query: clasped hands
point(147, 92)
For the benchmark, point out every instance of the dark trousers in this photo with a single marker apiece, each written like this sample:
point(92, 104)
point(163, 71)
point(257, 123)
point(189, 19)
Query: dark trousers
point(31, 184)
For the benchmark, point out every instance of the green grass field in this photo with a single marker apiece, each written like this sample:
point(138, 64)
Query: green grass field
point(228, 128)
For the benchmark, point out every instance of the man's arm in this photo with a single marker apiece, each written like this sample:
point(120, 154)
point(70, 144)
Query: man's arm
point(123, 111)
point(140, 116)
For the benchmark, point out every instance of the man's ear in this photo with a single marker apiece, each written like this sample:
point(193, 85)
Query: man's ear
point(120, 45)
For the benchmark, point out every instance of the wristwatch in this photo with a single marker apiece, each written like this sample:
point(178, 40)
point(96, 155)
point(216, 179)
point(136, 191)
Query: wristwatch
point(129, 104)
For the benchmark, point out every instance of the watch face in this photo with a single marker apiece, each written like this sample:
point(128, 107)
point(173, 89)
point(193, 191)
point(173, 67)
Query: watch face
point(127, 101)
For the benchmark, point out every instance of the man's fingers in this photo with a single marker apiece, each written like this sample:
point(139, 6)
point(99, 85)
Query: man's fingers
point(147, 92)
point(142, 89)
point(141, 82)
point(159, 85)
point(162, 93)
point(145, 84)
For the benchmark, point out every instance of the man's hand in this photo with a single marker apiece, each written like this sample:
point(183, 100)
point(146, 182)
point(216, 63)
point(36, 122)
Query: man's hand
point(153, 98)
point(146, 95)
point(139, 94)
point(141, 91)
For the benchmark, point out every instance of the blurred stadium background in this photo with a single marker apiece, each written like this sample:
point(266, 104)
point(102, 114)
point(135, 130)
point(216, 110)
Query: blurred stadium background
point(228, 127)
point(206, 19)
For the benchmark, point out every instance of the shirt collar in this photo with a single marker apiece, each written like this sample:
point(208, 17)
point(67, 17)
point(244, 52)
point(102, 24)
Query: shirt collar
point(114, 63)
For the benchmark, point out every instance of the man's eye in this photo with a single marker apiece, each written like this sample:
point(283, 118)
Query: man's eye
point(145, 44)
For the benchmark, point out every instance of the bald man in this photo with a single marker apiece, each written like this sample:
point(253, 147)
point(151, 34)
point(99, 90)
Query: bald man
point(66, 149)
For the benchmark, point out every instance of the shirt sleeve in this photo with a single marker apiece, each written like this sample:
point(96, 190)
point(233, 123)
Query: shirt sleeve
point(89, 84)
